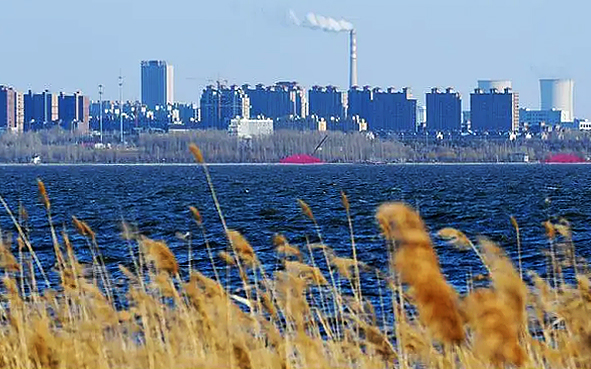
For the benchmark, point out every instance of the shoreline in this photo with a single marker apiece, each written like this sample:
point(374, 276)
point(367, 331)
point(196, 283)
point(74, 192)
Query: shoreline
point(275, 164)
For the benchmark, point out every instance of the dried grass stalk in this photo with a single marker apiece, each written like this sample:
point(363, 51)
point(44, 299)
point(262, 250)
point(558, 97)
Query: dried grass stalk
point(418, 266)
point(159, 253)
point(496, 336)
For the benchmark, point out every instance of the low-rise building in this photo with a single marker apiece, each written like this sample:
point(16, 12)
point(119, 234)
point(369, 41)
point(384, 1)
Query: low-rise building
point(244, 127)
point(553, 117)
point(584, 124)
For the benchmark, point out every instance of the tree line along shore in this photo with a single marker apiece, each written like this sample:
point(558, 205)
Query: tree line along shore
point(59, 146)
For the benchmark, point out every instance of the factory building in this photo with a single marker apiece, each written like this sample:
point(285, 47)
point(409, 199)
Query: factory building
point(444, 110)
point(557, 94)
point(537, 118)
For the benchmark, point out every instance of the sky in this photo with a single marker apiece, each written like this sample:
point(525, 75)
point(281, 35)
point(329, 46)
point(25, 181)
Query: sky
point(70, 45)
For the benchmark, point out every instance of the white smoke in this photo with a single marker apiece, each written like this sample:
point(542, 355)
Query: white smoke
point(316, 21)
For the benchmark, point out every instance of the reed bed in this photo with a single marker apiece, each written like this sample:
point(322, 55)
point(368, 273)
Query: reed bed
point(154, 314)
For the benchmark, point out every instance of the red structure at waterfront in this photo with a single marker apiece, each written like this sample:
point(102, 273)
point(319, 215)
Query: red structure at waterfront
point(301, 159)
point(564, 158)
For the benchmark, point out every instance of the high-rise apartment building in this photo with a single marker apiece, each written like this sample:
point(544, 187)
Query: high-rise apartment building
point(327, 102)
point(19, 114)
point(157, 83)
point(74, 112)
point(7, 108)
point(40, 110)
point(220, 104)
point(393, 111)
point(259, 100)
point(11, 110)
point(283, 99)
point(360, 103)
point(444, 110)
point(494, 110)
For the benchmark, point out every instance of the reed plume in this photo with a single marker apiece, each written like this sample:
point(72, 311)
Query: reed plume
point(550, 230)
point(227, 258)
point(43, 194)
point(345, 201)
point(455, 237)
point(7, 260)
point(240, 243)
point(516, 227)
point(418, 266)
point(496, 336)
point(159, 253)
point(306, 209)
point(507, 283)
point(283, 247)
point(196, 215)
point(196, 153)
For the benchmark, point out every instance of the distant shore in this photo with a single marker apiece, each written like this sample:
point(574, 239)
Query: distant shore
point(276, 164)
point(66, 148)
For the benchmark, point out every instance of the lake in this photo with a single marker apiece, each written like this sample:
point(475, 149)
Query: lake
point(261, 200)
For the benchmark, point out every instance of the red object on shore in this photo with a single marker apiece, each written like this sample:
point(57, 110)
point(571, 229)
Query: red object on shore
point(564, 158)
point(301, 159)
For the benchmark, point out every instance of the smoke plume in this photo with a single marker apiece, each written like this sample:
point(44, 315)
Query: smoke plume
point(316, 21)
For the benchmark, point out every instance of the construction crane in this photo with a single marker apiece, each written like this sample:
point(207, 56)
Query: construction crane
point(218, 83)
point(319, 145)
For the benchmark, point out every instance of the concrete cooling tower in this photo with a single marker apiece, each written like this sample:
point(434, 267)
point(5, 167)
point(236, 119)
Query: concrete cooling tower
point(558, 94)
point(488, 84)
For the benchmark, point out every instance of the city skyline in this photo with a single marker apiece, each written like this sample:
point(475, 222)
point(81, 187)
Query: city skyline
point(421, 45)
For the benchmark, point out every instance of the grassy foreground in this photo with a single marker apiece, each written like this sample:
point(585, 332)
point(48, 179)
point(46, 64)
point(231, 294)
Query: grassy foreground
point(297, 316)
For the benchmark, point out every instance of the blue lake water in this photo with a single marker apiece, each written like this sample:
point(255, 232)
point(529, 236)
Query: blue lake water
point(260, 200)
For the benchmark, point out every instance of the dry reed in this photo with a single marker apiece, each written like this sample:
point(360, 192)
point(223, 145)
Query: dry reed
point(418, 266)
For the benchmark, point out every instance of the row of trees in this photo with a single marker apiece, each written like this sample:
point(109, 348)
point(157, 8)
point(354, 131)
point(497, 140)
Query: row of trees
point(58, 146)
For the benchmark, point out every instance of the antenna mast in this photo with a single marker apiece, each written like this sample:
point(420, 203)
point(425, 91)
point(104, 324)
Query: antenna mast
point(121, 105)
point(101, 110)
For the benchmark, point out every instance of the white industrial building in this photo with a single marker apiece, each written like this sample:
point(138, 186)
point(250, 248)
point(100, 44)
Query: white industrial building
point(246, 128)
point(584, 125)
point(550, 117)
point(557, 94)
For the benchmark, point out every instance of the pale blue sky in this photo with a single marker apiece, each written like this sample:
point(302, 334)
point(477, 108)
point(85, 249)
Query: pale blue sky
point(77, 44)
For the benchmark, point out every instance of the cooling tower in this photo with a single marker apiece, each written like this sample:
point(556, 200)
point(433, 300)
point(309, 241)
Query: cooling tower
point(488, 84)
point(557, 94)
point(353, 59)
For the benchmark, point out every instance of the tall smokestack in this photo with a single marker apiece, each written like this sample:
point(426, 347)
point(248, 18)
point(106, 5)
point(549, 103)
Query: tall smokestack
point(353, 59)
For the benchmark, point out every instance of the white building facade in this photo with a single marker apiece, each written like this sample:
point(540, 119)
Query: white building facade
point(246, 128)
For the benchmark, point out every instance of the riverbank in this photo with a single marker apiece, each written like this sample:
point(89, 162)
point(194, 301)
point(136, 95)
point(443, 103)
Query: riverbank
point(64, 147)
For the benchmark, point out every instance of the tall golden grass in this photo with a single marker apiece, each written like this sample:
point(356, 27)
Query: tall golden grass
point(160, 316)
